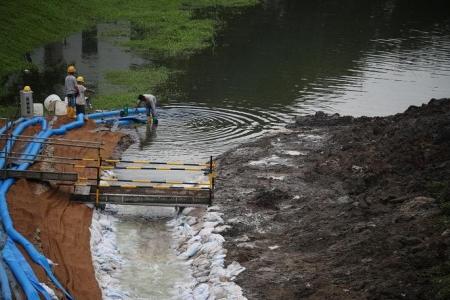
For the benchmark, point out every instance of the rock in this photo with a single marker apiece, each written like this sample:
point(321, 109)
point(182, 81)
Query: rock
point(420, 207)
point(343, 200)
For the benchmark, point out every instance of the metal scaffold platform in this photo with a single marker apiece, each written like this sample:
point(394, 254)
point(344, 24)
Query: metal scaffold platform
point(94, 188)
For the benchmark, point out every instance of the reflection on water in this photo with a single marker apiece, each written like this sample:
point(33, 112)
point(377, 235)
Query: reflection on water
point(94, 52)
point(352, 57)
point(270, 63)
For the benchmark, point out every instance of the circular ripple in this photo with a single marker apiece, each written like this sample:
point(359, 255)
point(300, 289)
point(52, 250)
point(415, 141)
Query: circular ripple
point(193, 133)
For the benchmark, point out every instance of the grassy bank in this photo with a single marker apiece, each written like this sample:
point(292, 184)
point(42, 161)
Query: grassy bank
point(161, 28)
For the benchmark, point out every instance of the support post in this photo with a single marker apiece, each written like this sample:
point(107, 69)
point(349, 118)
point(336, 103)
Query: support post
point(97, 191)
point(211, 180)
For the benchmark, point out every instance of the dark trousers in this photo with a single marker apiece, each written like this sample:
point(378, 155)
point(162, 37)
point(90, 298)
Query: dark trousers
point(81, 109)
point(71, 98)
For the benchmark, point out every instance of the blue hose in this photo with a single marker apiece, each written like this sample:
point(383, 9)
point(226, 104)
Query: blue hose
point(17, 266)
point(4, 283)
point(10, 254)
point(116, 113)
point(16, 133)
point(22, 271)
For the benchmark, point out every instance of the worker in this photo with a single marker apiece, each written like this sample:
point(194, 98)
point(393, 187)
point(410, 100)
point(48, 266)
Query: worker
point(71, 90)
point(149, 102)
point(80, 102)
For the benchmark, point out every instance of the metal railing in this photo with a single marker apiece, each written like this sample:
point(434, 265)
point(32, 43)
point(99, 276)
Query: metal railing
point(99, 164)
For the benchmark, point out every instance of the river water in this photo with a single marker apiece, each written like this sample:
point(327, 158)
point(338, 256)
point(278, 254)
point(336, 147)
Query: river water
point(270, 63)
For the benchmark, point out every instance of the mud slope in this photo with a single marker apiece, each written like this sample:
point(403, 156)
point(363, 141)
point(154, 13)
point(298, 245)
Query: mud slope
point(44, 214)
point(341, 208)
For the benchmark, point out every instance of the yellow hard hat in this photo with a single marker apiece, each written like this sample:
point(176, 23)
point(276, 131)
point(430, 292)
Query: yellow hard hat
point(80, 79)
point(71, 69)
point(27, 88)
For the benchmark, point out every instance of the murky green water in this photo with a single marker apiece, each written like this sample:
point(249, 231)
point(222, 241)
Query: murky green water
point(270, 63)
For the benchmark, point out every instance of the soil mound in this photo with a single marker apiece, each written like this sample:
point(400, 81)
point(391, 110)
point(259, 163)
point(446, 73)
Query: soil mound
point(366, 214)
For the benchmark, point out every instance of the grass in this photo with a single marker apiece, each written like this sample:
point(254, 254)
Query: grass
point(8, 111)
point(134, 82)
point(163, 28)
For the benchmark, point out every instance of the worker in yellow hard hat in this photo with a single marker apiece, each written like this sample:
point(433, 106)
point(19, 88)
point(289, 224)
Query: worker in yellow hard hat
point(81, 99)
point(71, 90)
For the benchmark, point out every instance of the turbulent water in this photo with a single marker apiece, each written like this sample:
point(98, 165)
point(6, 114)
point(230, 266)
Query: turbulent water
point(150, 268)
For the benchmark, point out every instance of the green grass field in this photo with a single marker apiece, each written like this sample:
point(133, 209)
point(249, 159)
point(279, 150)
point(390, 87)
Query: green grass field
point(166, 28)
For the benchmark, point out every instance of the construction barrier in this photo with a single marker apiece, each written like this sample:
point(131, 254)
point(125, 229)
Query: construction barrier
point(150, 168)
point(155, 187)
point(149, 162)
point(149, 181)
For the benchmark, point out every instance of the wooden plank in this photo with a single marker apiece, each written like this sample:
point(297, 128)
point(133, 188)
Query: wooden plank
point(39, 175)
point(147, 199)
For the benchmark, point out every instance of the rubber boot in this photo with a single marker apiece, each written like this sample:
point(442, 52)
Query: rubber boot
point(71, 113)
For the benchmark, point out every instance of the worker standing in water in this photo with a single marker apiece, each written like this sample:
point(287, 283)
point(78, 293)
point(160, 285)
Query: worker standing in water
point(71, 91)
point(149, 102)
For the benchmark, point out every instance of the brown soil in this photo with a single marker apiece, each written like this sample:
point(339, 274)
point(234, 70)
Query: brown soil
point(355, 214)
point(56, 226)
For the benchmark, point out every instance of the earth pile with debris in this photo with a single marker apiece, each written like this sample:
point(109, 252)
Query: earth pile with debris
point(342, 208)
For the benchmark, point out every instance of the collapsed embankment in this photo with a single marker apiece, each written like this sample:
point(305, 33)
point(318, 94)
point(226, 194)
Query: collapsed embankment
point(56, 226)
point(342, 207)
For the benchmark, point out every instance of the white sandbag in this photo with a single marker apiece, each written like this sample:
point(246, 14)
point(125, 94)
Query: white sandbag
point(201, 292)
point(192, 250)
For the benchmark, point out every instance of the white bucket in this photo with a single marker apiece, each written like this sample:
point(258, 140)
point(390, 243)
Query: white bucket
point(60, 108)
point(38, 109)
point(49, 102)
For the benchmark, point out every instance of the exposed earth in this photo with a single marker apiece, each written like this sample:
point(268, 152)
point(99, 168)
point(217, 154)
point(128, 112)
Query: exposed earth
point(331, 208)
point(341, 207)
point(59, 228)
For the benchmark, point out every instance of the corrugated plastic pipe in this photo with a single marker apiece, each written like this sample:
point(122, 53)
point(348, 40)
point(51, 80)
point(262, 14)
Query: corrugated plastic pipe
point(11, 255)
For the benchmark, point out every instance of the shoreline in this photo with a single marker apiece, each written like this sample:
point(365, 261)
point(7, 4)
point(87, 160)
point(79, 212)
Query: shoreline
point(341, 207)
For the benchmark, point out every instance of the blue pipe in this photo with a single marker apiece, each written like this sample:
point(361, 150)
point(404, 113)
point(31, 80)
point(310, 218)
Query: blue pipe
point(10, 125)
point(15, 134)
point(4, 282)
point(115, 113)
point(32, 151)
point(14, 258)
point(22, 271)
point(123, 120)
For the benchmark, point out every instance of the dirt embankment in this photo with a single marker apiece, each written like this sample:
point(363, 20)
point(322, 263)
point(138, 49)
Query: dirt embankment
point(342, 207)
point(56, 226)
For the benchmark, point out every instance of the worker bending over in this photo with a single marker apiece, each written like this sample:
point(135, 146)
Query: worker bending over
point(149, 102)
